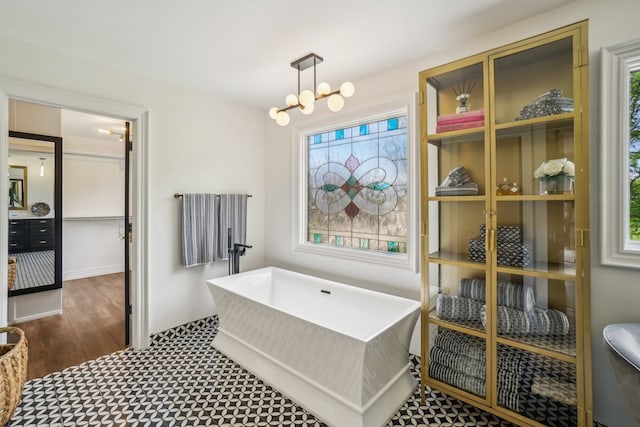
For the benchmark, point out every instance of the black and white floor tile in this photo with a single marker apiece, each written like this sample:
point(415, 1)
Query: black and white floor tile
point(182, 381)
point(34, 269)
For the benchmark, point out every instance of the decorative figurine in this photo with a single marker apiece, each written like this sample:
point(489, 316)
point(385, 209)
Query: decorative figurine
point(462, 96)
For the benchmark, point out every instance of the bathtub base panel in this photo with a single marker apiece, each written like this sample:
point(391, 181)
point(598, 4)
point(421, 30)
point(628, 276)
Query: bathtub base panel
point(323, 403)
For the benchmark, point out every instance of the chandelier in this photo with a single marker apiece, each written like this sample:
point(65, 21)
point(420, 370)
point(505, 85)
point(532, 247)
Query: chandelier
point(305, 99)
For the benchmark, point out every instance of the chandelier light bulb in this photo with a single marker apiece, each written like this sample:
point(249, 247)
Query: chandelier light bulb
point(282, 118)
point(335, 103)
point(307, 110)
point(347, 89)
point(306, 98)
point(323, 89)
point(291, 100)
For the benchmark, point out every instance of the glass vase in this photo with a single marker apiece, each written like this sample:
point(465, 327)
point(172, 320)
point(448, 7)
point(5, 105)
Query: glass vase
point(557, 184)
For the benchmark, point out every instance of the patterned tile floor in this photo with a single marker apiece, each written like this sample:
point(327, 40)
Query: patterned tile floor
point(182, 381)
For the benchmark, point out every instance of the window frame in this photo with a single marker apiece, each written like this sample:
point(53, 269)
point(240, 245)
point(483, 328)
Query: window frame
point(617, 64)
point(408, 260)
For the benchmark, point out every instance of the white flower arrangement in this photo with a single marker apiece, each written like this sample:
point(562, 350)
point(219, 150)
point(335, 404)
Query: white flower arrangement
point(555, 167)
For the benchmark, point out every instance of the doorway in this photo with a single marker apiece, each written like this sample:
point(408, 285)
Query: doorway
point(93, 248)
point(139, 118)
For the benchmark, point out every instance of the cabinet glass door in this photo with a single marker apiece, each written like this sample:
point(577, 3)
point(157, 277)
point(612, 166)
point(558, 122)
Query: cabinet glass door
point(456, 152)
point(533, 225)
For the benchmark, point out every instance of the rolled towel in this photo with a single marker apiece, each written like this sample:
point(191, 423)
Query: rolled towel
point(514, 295)
point(451, 307)
point(538, 321)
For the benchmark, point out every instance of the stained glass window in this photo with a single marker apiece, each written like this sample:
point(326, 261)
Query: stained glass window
point(357, 186)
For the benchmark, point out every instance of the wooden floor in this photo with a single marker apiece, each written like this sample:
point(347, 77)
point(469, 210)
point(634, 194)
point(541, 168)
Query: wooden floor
point(91, 325)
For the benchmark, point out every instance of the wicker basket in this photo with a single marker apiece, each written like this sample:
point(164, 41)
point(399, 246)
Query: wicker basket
point(13, 373)
point(11, 276)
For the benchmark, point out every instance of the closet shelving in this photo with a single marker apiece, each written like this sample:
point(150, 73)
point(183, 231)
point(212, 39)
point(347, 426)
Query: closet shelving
point(505, 272)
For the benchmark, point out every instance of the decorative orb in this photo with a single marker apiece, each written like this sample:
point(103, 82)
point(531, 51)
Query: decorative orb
point(335, 103)
point(291, 100)
point(308, 109)
point(273, 112)
point(306, 97)
point(323, 89)
point(347, 89)
point(282, 118)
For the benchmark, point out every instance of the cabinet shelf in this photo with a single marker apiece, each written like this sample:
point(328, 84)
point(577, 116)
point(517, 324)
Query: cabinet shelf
point(547, 270)
point(470, 327)
point(456, 136)
point(564, 120)
point(455, 258)
point(478, 198)
point(561, 347)
point(558, 347)
point(536, 198)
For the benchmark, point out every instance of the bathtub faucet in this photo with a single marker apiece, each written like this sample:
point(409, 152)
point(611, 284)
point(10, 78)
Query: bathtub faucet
point(238, 250)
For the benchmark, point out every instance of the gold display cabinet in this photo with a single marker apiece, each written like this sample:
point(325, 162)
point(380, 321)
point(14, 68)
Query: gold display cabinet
point(505, 230)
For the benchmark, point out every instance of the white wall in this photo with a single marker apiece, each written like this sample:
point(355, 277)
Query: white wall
point(93, 207)
point(615, 291)
point(197, 143)
point(92, 247)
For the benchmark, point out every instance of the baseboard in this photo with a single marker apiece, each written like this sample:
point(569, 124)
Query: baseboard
point(92, 272)
point(34, 317)
point(23, 308)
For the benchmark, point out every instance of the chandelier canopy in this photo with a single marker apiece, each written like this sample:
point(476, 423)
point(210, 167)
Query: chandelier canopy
point(306, 99)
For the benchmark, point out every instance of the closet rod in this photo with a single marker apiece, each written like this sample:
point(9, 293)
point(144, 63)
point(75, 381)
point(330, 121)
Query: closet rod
point(178, 195)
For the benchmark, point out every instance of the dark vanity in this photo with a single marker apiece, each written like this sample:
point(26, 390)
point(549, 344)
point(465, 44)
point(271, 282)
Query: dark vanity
point(28, 235)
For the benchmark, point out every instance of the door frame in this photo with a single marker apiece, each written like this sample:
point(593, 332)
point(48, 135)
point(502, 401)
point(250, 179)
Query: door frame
point(139, 117)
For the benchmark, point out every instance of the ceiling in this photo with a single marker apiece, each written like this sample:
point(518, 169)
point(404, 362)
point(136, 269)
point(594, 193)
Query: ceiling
point(75, 123)
point(241, 49)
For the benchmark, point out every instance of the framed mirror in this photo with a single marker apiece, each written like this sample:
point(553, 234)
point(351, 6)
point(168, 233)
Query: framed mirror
point(35, 221)
point(18, 187)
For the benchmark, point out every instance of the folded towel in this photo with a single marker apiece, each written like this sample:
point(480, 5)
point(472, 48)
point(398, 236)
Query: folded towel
point(538, 321)
point(473, 367)
point(469, 189)
point(506, 397)
point(451, 307)
point(199, 229)
point(463, 344)
point(514, 295)
point(504, 233)
point(456, 378)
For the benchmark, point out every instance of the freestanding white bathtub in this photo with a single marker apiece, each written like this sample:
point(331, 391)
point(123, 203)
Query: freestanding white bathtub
point(340, 351)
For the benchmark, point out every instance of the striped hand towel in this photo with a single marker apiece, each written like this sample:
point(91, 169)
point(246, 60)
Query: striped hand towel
point(199, 231)
point(233, 214)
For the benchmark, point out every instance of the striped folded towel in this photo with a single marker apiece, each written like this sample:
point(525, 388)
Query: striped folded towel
point(469, 189)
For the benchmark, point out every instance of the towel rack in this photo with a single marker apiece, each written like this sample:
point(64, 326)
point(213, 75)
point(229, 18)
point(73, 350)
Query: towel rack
point(178, 195)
